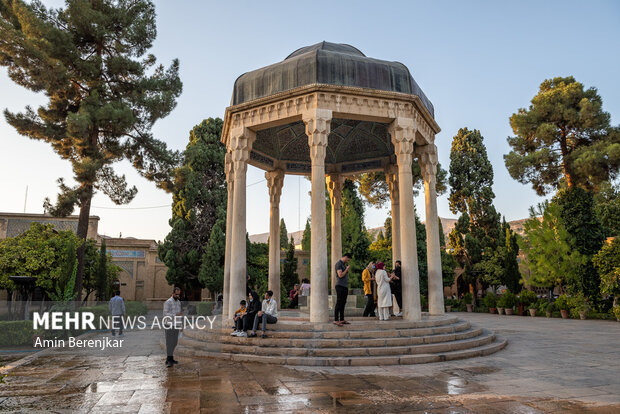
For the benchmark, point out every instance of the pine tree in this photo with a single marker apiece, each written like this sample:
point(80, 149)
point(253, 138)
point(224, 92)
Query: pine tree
point(283, 235)
point(199, 201)
point(89, 60)
point(563, 138)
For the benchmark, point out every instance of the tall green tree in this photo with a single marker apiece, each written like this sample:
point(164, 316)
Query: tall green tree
point(289, 268)
point(306, 237)
point(607, 208)
point(355, 239)
point(101, 275)
point(477, 234)
point(563, 138)
point(607, 262)
point(211, 274)
point(104, 95)
point(283, 235)
point(199, 194)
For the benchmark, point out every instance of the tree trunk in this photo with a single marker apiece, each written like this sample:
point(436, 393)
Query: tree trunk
point(82, 232)
point(565, 167)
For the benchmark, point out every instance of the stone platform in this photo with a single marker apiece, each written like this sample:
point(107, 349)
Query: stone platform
point(365, 342)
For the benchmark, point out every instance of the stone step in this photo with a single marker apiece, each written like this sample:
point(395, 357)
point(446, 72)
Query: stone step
point(462, 332)
point(476, 351)
point(360, 324)
point(255, 346)
point(343, 334)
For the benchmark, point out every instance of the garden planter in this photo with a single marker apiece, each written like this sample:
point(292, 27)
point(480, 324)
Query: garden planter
point(508, 311)
point(470, 307)
point(582, 315)
point(532, 312)
point(564, 313)
point(492, 310)
point(548, 314)
point(521, 309)
point(500, 311)
point(448, 308)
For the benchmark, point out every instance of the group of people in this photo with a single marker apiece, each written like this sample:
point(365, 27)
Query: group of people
point(297, 291)
point(251, 313)
point(378, 289)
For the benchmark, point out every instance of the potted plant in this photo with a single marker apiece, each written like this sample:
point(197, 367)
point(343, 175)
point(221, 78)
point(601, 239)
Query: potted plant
point(527, 299)
point(490, 301)
point(507, 301)
point(549, 308)
point(469, 301)
point(578, 306)
point(562, 304)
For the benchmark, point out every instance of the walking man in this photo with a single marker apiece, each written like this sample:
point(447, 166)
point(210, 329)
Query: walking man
point(342, 288)
point(172, 308)
point(117, 310)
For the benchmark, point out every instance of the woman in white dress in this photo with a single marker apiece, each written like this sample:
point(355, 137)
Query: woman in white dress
point(384, 292)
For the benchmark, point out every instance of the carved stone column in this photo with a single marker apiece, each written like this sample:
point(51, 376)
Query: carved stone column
point(391, 176)
point(334, 185)
point(317, 129)
point(275, 179)
point(228, 168)
point(240, 145)
point(427, 157)
point(402, 131)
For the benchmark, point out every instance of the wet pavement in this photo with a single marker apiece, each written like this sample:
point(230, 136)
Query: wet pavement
point(549, 366)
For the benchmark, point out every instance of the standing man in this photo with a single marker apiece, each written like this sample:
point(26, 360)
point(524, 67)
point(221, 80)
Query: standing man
point(342, 288)
point(397, 287)
point(368, 278)
point(117, 310)
point(172, 308)
point(268, 314)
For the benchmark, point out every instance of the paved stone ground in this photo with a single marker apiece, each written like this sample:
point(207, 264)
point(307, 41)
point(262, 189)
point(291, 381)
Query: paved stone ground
point(549, 366)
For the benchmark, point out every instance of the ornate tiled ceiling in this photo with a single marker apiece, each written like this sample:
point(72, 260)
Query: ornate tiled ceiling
point(348, 140)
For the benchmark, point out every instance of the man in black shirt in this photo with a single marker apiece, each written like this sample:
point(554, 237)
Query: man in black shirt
point(397, 289)
point(342, 288)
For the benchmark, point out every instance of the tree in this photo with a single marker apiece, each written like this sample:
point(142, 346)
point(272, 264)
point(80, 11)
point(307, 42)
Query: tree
point(607, 262)
point(198, 197)
point(576, 208)
point(607, 208)
point(373, 186)
point(306, 237)
point(355, 239)
point(89, 60)
point(101, 275)
point(477, 234)
point(211, 273)
point(548, 246)
point(387, 226)
point(283, 235)
point(563, 138)
point(289, 268)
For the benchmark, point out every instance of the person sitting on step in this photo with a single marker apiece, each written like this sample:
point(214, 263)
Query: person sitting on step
point(252, 310)
point(268, 314)
point(238, 318)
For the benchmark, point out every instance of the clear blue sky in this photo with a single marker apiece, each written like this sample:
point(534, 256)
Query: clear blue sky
point(478, 62)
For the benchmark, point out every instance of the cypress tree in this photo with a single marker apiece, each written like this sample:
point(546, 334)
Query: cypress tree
point(283, 235)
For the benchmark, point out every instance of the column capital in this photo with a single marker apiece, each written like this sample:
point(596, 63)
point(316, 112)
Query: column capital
point(427, 158)
point(317, 129)
point(335, 182)
point(391, 178)
point(240, 146)
point(402, 132)
point(275, 180)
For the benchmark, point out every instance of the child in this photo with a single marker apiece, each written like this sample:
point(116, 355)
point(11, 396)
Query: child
point(238, 318)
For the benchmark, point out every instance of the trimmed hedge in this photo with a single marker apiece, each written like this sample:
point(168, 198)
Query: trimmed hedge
point(14, 333)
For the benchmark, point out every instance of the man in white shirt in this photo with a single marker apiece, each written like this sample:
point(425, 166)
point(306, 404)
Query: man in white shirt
point(172, 308)
point(268, 314)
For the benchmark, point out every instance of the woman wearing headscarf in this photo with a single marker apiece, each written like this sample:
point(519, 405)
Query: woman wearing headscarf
point(254, 305)
point(368, 279)
point(384, 292)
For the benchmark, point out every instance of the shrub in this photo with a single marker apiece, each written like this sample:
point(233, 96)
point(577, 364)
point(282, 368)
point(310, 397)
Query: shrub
point(135, 308)
point(541, 305)
point(452, 302)
point(204, 308)
point(550, 307)
point(561, 303)
point(616, 311)
point(490, 300)
point(507, 300)
point(423, 302)
point(527, 298)
point(468, 298)
point(16, 333)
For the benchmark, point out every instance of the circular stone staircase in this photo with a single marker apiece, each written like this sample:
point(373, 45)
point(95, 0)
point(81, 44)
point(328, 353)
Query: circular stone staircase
point(366, 341)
